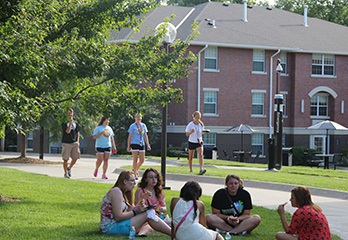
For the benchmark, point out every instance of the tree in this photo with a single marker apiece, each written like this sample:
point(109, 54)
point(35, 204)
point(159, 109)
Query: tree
point(335, 11)
point(55, 54)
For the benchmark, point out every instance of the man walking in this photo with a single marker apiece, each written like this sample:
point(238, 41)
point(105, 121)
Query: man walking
point(71, 143)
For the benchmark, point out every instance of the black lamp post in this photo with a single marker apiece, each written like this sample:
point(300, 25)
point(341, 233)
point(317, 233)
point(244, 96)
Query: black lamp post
point(278, 121)
point(168, 39)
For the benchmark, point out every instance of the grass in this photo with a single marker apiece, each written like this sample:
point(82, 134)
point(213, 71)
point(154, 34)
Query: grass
point(296, 175)
point(58, 208)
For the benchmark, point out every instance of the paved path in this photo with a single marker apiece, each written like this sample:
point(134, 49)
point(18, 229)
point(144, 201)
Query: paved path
point(269, 195)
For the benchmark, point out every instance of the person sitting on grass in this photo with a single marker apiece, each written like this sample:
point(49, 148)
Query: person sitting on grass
point(118, 213)
point(189, 215)
point(151, 184)
point(231, 208)
point(308, 221)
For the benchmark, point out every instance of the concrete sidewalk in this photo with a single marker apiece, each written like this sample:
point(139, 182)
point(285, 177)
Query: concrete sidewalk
point(269, 195)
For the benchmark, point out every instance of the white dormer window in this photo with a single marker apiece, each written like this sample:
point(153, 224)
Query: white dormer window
point(210, 58)
point(259, 61)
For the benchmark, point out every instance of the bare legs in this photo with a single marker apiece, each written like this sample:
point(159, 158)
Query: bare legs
point(200, 157)
point(102, 157)
point(136, 164)
point(160, 226)
point(214, 221)
point(65, 164)
point(285, 236)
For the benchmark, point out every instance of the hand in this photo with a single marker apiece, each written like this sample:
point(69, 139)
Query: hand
point(162, 209)
point(280, 209)
point(147, 195)
point(233, 220)
point(128, 149)
point(192, 131)
point(148, 147)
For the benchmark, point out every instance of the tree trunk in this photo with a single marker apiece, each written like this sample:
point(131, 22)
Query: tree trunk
point(23, 145)
point(2, 140)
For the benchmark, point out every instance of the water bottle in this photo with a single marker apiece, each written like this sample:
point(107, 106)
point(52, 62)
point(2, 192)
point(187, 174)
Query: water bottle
point(132, 233)
point(227, 236)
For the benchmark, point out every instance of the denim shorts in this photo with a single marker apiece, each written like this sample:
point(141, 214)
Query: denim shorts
point(120, 228)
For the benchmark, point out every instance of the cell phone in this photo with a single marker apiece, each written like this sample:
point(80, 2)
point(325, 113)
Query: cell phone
point(150, 207)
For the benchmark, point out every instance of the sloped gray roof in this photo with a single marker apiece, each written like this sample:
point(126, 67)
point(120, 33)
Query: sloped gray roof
point(266, 29)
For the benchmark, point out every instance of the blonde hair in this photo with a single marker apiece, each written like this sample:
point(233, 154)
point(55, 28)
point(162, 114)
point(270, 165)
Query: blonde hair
point(199, 114)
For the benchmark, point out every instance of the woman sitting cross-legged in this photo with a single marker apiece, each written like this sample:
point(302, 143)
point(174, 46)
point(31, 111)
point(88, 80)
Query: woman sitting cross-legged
point(118, 213)
point(231, 208)
point(308, 221)
point(188, 215)
point(150, 189)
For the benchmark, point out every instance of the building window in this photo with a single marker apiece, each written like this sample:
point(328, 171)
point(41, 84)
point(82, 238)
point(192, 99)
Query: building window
point(259, 61)
point(285, 94)
point(323, 65)
point(209, 139)
point(319, 105)
point(210, 61)
point(30, 137)
point(256, 144)
point(283, 58)
point(258, 100)
point(210, 102)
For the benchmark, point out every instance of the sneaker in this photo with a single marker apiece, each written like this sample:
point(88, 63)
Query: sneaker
point(202, 171)
point(104, 176)
point(95, 174)
point(191, 171)
point(66, 175)
point(69, 172)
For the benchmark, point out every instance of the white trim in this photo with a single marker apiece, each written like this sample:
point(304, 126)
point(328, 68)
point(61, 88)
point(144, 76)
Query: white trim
point(210, 115)
point(211, 89)
point(302, 106)
point(322, 89)
point(323, 76)
point(211, 70)
point(342, 106)
point(258, 91)
point(260, 73)
point(199, 79)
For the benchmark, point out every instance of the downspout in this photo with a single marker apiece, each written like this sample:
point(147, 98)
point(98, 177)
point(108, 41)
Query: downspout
point(199, 78)
point(271, 93)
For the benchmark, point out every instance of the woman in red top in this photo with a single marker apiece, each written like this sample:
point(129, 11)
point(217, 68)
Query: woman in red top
point(308, 221)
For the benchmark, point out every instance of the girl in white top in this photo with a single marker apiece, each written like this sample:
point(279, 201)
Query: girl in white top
point(194, 131)
point(193, 226)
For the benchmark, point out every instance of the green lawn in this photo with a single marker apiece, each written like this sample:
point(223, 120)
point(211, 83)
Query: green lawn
point(296, 175)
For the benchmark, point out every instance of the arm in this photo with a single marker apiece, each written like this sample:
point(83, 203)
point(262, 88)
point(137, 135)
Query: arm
point(78, 137)
point(147, 141)
point(201, 208)
point(282, 217)
point(68, 129)
point(129, 142)
point(98, 135)
point(113, 142)
point(189, 133)
point(162, 203)
point(172, 206)
point(116, 200)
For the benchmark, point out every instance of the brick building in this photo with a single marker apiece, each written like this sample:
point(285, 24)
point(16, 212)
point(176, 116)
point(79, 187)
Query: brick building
point(234, 79)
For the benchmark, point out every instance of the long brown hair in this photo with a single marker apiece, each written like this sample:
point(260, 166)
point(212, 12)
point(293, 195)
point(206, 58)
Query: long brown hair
point(101, 121)
point(198, 113)
point(158, 187)
point(128, 195)
point(303, 198)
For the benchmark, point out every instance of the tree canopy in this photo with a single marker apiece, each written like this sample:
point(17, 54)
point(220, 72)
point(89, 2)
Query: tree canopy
point(55, 55)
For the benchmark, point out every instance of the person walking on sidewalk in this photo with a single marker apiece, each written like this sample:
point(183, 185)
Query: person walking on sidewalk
point(194, 131)
point(136, 143)
point(70, 143)
point(104, 140)
point(308, 221)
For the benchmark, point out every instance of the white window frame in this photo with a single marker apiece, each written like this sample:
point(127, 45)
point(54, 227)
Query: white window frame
point(261, 92)
point(259, 57)
point(283, 62)
point(285, 100)
point(210, 90)
point(317, 96)
point(253, 136)
point(211, 53)
point(322, 61)
point(209, 139)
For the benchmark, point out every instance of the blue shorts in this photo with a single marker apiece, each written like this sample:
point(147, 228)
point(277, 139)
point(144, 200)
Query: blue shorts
point(103, 150)
point(120, 228)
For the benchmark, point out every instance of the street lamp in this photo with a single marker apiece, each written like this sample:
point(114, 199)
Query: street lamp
point(168, 39)
point(278, 121)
